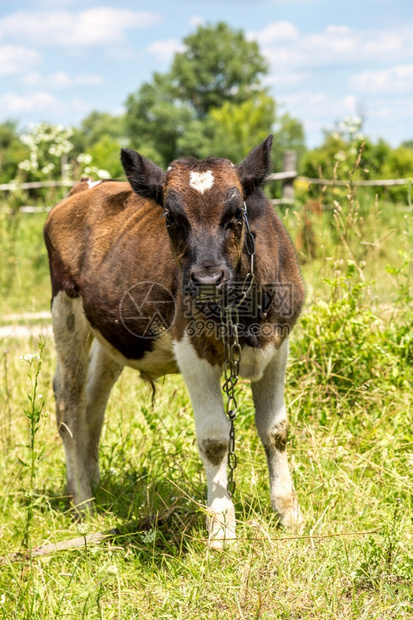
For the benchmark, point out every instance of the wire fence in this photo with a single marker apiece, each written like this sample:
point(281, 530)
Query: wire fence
point(287, 177)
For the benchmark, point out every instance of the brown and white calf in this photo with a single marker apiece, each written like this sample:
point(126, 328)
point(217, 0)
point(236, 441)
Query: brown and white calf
point(128, 263)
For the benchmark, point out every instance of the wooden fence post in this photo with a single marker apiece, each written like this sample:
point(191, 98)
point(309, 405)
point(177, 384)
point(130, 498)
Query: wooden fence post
point(289, 164)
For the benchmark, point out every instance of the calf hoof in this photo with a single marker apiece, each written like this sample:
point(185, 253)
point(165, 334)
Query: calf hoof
point(221, 528)
point(288, 511)
point(221, 544)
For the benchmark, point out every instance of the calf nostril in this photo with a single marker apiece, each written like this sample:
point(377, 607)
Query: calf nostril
point(211, 278)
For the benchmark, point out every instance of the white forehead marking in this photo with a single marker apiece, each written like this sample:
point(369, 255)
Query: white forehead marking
point(92, 183)
point(201, 181)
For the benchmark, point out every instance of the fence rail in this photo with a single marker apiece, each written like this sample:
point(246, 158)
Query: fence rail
point(287, 177)
point(372, 183)
point(281, 176)
point(35, 185)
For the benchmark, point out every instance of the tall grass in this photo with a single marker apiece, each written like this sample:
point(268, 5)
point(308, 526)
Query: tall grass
point(349, 393)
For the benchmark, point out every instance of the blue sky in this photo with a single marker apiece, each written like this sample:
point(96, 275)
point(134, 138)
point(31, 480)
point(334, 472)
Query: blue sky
point(60, 59)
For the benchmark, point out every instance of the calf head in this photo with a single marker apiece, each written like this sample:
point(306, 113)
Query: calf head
point(203, 204)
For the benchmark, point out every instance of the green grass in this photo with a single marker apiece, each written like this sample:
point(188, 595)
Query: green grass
point(349, 393)
point(24, 278)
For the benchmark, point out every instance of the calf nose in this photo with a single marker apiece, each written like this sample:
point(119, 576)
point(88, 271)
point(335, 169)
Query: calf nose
point(208, 278)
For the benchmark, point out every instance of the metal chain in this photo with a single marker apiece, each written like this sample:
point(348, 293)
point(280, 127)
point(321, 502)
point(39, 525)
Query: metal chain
point(232, 354)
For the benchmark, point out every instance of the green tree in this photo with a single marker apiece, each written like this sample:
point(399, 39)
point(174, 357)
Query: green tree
point(212, 100)
point(408, 144)
point(232, 130)
point(344, 151)
point(155, 119)
point(218, 65)
point(94, 127)
point(12, 151)
point(288, 135)
point(347, 154)
point(105, 155)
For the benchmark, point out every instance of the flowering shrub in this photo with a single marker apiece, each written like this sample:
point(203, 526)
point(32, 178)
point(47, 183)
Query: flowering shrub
point(49, 156)
point(48, 144)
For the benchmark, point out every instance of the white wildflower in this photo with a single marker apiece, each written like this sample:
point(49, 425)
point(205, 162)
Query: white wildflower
point(82, 528)
point(84, 158)
point(112, 570)
point(149, 536)
point(25, 165)
point(340, 156)
point(29, 357)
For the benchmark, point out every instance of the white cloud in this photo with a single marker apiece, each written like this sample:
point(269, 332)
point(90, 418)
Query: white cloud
point(17, 58)
point(49, 4)
point(276, 32)
point(286, 80)
point(95, 26)
point(40, 101)
point(41, 105)
point(391, 118)
point(196, 21)
point(318, 110)
point(60, 79)
point(397, 80)
point(388, 117)
point(335, 45)
point(164, 50)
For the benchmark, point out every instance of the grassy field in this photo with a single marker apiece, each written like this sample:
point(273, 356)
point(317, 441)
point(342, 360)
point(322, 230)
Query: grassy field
point(349, 393)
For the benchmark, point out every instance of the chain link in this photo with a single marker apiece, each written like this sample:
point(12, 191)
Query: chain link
point(232, 353)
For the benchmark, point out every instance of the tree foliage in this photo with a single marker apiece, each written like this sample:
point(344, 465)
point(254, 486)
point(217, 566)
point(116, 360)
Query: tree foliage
point(155, 119)
point(211, 102)
point(218, 65)
point(289, 136)
point(98, 125)
point(347, 154)
point(12, 151)
point(230, 131)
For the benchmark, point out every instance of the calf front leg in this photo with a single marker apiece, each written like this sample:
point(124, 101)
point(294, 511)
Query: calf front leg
point(102, 373)
point(271, 421)
point(212, 433)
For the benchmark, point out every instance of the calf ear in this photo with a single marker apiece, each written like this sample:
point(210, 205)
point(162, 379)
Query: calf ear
point(146, 179)
point(255, 167)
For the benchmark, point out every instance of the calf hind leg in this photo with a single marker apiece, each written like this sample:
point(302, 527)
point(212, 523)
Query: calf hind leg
point(73, 340)
point(271, 421)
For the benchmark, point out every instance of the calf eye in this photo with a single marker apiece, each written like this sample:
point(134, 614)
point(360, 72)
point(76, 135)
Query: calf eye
point(169, 219)
point(239, 214)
